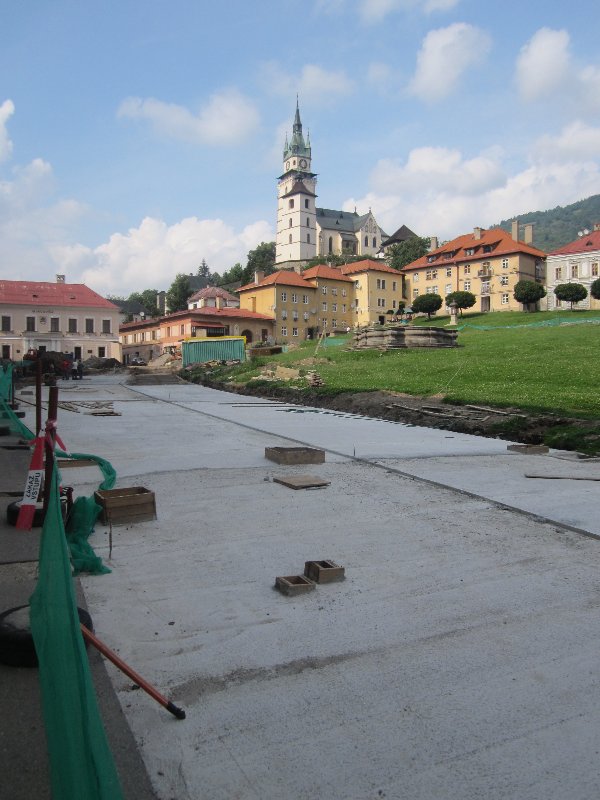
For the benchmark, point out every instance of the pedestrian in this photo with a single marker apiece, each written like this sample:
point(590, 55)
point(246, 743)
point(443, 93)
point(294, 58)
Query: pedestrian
point(80, 369)
point(74, 367)
point(65, 368)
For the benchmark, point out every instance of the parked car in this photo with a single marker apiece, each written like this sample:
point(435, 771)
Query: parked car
point(137, 361)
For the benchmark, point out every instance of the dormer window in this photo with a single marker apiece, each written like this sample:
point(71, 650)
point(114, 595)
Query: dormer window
point(487, 248)
point(470, 251)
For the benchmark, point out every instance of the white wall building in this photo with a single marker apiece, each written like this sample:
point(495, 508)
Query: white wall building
point(576, 262)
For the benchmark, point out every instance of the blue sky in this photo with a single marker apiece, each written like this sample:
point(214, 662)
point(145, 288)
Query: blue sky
point(137, 138)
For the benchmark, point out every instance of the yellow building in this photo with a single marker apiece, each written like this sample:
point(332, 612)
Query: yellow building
point(288, 298)
point(487, 263)
point(334, 297)
point(377, 290)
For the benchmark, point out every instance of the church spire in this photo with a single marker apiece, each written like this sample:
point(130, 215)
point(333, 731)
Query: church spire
point(297, 146)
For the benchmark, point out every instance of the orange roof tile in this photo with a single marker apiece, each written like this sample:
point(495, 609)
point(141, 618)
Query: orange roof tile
point(584, 244)
point(499, 240)
point(325, 271)
point(284, 277)
point(368, 265)
point(43, 293)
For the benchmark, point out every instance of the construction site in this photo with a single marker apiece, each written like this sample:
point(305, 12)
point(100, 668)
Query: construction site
point(339, 606)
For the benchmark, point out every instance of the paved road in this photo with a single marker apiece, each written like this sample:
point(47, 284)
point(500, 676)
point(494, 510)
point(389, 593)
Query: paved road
point(457, 660)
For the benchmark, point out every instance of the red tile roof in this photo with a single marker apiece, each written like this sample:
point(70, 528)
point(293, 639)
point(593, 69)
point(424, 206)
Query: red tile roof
point(285, 277)
point(42, 293)
point(498, 240)
point(368, 265)
point(325, 271)
point(197, 314)
point(583, 244)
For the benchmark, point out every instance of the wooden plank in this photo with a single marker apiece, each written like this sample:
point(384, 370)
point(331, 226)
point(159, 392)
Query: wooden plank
point(565, 477)
point(301, 482)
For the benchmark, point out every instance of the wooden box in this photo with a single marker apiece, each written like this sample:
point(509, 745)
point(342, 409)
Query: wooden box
point(295, 455)
point(324, 571)
point(293, 584)
point(124, 506)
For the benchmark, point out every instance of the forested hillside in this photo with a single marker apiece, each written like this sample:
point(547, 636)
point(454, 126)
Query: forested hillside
point(560, 225)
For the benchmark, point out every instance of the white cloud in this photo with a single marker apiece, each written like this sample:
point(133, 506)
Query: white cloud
point(543, 65)
point(7, 109)
point(439, 192)
point(153, 253)
point(227, 119)
point(314, 84)
point(374, 11)
point(445, 55)
point(577, 141)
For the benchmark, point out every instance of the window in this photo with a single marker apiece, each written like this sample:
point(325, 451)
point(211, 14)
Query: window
point(430, 259)
point(394, 285)
point(381, 283)
point(343, 308)
point(324, 306)
point(366, 241)
point(415, 292)
point(428, 275)
point(595, 269)
point(467, 286)
point(6, 324)
point(334, 306)
point(467, 269)
point(72, 326)
point(308, 238)
point(295, 315)
point(374, 242)
point(334, 291)
point(168, 330)
point(89, 325)
point(306, 204)
point(448, 289)
point(105, 326)
point(283, 297)
point(558, 273)
point(290, 238)
point(308, 222)
point(574, 271)
point(380, 302)
point(283, 330)
point(291, 204)
point(416, 277)
point(504, 299)
point(393, 304)
point(284, 314)
point(290, 221)
point(294, 297)
point(324, 290)
point(485, 287)
point(487, 248)
point(305, 316)
point(505, 263)
point(102, 352)
point(503, 280)
point(334, 323)
point(330, 245)
point(30, 323)
point(305, 299)
point(470, 251)
point(182, 329)
point(294, 331)
point(344, 293)
point(54, 324)
point(324, 321)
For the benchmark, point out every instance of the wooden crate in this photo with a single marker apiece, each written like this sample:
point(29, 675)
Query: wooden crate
point(124, 506)
point(295, 455)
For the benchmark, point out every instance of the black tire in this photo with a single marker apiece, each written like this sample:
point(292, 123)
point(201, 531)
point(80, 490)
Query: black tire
point(16, 642)
point(12, 513)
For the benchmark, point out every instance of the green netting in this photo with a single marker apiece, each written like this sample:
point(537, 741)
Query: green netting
point(81, 764)
point(106, 468)
point(8, 417)
point(6, 381)
point(547, 323)
point(80, 525)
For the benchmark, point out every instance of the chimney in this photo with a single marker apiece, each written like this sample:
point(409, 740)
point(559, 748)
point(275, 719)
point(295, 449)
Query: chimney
point(528, 235)
point(477, 233)
point(433, 243)
point(515, 230)
point(259, 276)
point(202, 302)
point(220, 302)
point(597, 226)
point(60, 278)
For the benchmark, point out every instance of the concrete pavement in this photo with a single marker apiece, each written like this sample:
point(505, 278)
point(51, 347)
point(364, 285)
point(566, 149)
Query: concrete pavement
point(457, 660)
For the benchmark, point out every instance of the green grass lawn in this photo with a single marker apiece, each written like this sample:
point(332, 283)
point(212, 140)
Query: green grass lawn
point(543, 369)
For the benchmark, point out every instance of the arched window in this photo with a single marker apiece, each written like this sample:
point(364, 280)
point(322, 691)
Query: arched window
point(331, 244)
point(290, 238)
point(366, 241)
point(374, 241)
point(290, 225)
point(308, 237)
point(308, 222)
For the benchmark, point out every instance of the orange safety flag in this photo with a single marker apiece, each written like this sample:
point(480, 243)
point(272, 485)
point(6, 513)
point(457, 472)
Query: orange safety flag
point(32, 486)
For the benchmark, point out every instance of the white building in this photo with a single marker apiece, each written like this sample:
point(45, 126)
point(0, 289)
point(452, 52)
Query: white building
point(576, 262)
point(304, 230)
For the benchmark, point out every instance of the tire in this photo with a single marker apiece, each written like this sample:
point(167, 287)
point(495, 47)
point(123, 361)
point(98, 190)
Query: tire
point(16, 642)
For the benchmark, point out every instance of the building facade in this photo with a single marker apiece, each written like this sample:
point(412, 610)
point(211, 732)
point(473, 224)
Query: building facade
point(60, 317)
point(305, 231)
point(487, 263)
point(576, 262)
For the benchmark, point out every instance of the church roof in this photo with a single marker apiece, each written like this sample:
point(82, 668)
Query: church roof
point(296, 146)
point(401, 235)
point(299, 188)
point(342, 221)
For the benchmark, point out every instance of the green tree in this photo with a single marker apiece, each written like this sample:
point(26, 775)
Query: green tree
point(403, 253)
point(595, 289)
point(178, 293)
point(147, 298)
point(462, 299)
point(334, 259)
point(570, 292)
point(427, 304)
point(233, 275)
point(261, 259)
point(203, 270)
point(528, 293)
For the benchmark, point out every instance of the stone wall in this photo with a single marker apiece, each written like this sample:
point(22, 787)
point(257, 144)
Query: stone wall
point(397, 336)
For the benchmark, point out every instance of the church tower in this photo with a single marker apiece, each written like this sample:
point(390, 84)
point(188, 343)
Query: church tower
point(296, 240)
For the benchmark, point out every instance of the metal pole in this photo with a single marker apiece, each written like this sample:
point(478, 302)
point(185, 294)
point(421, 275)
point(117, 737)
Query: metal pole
point(49, 442)
point(38, 397)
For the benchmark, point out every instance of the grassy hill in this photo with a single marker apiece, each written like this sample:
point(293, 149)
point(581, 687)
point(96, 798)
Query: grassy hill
point(559, 226)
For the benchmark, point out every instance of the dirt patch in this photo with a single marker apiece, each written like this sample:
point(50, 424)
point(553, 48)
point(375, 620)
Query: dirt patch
point(511, 424)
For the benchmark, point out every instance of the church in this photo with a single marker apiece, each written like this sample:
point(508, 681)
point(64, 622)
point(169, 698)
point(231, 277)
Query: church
point(305, 230)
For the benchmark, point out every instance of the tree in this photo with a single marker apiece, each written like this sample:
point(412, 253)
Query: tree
point(203, 270)
point(595, 289)
point(462, 300)
point(403, 253)
point(146, 298)
point(178, 293)
point(528, 292)
point(427, 304)
point(570, 292)
point(233, 275)
point(261, 259)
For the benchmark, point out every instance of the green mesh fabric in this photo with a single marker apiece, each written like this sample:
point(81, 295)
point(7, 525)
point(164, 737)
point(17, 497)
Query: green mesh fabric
point(81, 764)
point(80, 525)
